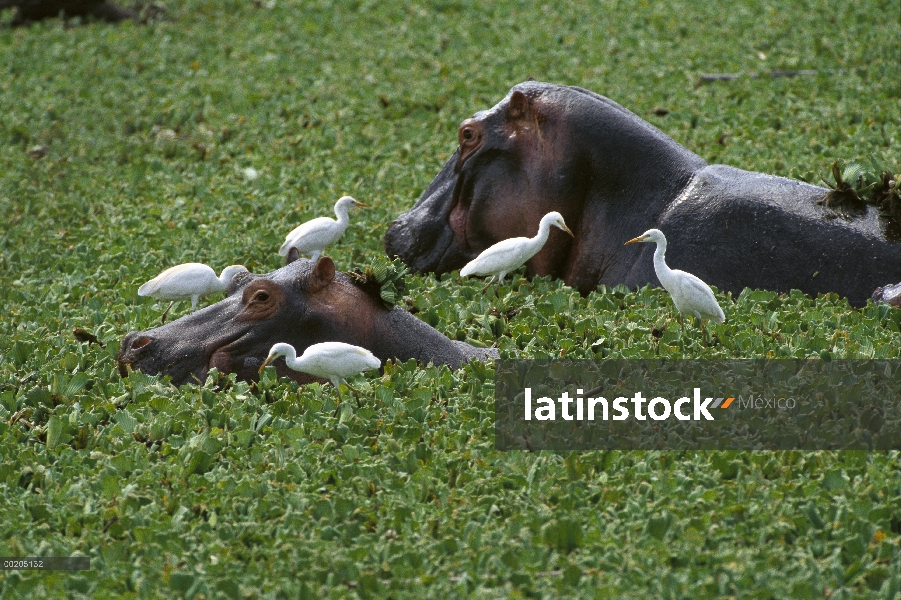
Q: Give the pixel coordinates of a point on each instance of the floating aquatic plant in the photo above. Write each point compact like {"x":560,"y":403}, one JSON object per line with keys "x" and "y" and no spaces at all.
{"x":382,"y":279}
{"x":854,"y":186}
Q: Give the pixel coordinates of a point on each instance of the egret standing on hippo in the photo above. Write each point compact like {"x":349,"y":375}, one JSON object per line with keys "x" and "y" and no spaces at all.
{"x":610,"y":174}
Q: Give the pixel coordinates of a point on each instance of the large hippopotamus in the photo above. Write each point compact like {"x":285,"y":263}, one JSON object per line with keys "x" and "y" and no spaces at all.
{"x":302,"y":303}
{"x":613,"y":176}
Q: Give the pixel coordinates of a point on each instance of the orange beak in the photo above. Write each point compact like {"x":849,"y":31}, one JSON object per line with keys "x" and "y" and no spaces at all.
{"x":640,"y":238}
{"x":268,"y":360}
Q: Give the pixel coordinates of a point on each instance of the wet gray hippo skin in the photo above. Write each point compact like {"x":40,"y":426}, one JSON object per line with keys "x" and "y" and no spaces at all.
{"x":301,"y":304}
{"x":613,"y":176}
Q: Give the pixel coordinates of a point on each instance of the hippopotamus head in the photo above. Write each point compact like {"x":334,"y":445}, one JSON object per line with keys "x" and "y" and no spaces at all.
{"x":542,"y":148}
{"x":302,"y":303}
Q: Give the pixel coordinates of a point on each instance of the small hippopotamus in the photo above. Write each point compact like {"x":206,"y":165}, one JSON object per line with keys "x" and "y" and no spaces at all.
{"x":302,"y":303}
{"x":612,"y":176}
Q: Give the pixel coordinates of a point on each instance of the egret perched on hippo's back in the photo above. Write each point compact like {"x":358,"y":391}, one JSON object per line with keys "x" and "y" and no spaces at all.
{"x":334,"y":361}
{"x":313,"y":236}
{"x":690,"y":295}
{"x":512,"y":253}
{"x":188,"y":281}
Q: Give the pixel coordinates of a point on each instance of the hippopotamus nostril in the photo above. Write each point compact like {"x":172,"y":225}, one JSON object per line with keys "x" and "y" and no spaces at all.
{"x":140,"y":342}
{"x":133,"y":345}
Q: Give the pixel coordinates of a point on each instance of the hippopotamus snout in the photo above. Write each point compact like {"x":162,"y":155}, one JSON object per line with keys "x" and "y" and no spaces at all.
{"x":426,"y":245}
{"x":888,"y":294}
{"x":187,"y":348}
{"x":421,"y":237}
{"x":153,"y":354}
{"x":183,"y":353}
{"x":135,"y":345}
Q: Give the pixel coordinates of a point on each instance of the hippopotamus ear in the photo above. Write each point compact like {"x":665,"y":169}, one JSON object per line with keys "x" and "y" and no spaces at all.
{"x":293,"y":255}
{"x":323,"y":274}
{"x":518,"y":106}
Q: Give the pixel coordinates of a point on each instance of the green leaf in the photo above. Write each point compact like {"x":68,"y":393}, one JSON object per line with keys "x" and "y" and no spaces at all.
{"x":835,"y":479}
{"x":199,"y":462}
{"x":658,"y":525}
{"x":126,"y":421}
{"x":852,"y":174}
{"x":564,"y":535}
{"x":54,"y":431}
{"x":75,"y":385}
{"x":814,"y":515}
{"x":571,"y":575}
{"x":181,"y":582}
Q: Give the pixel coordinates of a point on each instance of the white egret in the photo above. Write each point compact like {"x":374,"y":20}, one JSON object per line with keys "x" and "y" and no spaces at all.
{"x":512,"y":253}
{"x":313,"y":236}
{"x":188,"y":281}
{"x":335,"y":361}
{"x":691,"y":296}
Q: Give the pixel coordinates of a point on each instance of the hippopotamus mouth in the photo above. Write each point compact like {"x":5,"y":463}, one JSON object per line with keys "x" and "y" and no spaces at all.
{"x":429,"y":238}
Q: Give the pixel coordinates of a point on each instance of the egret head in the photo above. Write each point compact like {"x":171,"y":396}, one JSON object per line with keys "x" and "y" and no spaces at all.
{"x":651,"y":235}
{"x":347,"y":202}
{"x":230,"y":271}
{"x":277,"y":350}
{"x":556,"y":219}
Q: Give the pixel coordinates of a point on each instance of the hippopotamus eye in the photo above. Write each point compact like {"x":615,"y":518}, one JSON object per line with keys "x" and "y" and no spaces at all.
{"x":467,"y":134}
{"x":260,"y":296}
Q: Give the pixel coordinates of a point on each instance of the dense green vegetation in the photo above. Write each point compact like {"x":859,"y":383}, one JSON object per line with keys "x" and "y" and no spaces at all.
{"x":223,"y":491}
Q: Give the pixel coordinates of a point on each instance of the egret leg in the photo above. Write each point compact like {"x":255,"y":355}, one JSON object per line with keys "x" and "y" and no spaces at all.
{"x":487,"y":285}
{"x":355,"y":393}
{"x":337,"y":385}
{"x":497,"y":290}
{"x":315,"y":256}
{"x":166,"y":312}
{"x":194,"y":300}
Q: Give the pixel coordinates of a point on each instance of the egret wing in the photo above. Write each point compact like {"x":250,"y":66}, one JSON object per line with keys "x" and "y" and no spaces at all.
{"x":694,"y":296}
{"x":505,"y":255}
{"x":178,"y":282}
{"x":330,"y":359}
{"x":312,"y":235}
